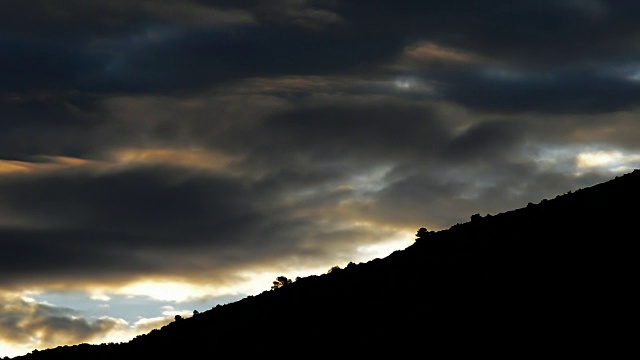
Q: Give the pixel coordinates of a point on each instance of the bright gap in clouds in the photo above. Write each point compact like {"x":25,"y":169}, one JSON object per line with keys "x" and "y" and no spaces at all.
{"x":612,"y":161}
{"x":577,"y":160}
{"x":413,"y":85}
{"x":403,"y":83}
{"x":164,"y":290}
{"x":53,"y":318}
{"x":400,"y":240}
{"x":13,"y":351}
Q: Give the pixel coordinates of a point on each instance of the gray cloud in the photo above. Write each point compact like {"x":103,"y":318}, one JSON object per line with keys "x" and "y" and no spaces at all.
{"x":20,"y":320}
{"x":79,"y":226}
{"x":575,"y":91}
{"x":299,"y":165}
{"x":201,"y":140}
{"x":101,"y":17}
{"x":358,"y":131}
{"x":534,"y":34}
{"x":164,"y":48}
{"x":88,"y":224}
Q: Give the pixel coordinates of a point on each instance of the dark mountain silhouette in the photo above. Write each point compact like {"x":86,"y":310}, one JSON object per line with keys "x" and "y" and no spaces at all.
{"x":554,"y":278}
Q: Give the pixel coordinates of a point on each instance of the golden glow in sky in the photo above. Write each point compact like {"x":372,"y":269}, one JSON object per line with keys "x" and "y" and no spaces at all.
{"x":614,"y":161}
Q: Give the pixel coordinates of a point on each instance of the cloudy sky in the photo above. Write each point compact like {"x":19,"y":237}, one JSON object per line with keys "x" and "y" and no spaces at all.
{"x":159,"y":157}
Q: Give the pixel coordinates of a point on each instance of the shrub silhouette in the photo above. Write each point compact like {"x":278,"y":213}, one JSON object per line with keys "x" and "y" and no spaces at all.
{"x":423,"y":232}
{"x":280,"y":282}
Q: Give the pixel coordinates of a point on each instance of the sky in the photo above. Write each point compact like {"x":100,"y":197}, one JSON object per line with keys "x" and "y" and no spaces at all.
{"x":160,"y":157}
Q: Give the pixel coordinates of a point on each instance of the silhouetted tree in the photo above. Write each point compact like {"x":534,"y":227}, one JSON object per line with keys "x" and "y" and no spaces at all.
{"x":195,"y":312}
{"x":423,"y":232}
{"x":333,"y":268}
{"x":280,"y":282}
{"x":177,"y":318}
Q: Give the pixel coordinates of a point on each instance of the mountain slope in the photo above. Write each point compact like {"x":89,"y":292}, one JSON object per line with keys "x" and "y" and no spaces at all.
{"x":557,"y":276}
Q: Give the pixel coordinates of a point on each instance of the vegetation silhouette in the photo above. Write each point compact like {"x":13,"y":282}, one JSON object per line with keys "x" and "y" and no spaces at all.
{"x":280,"y":282}
{"x":555,"y":278}
{"x":423,"y":233}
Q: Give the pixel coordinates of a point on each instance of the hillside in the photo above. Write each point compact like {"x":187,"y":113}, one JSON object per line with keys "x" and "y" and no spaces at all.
{"x":556,"y":276}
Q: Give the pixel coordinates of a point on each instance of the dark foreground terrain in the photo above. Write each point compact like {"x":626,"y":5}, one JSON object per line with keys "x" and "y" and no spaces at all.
{"x":552,"y":279}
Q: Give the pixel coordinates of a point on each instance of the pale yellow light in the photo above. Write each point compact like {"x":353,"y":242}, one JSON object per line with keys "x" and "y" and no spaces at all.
{"x":196,"y":158}
{"x":399,"y":240}
{"x":609,"y":160}
{"x":598,"y":158}
{"x":164,"y":290}
{"x":428,"y":51}
{"x":9,"y":166}
{"x":11,"y":350}
{"x":50,"y":163}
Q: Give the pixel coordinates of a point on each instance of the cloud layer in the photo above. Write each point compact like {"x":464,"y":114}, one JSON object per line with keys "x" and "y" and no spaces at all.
{"x":205,"y":142}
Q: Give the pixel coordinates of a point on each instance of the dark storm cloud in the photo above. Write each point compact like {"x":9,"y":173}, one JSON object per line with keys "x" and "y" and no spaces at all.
{"x":562,"y":91}
{"x":310,"y":145}
{"x":305,"y":14}
{"x":432,"y":187}
{"x":531,"y":33}
{"x":147,"y":47}
{"x":49,"y":63}
{"x":305,"y":169}
{"x":486,"y":140}
{"x":173,"y":46}
{"x":80,"y":222}
{"x":122,"y":200}
{"x":362,"y":131}
{"x":107,"y":17}
{"x":114,"y":226}
{"x":421,"y":151}
{"x":55,"y":46}
{"x":547,"y":56}
{"x":195,"y":58}
{"x":162,"y":58}
{"x":99,"y":220}
{"x":43,"y":123}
